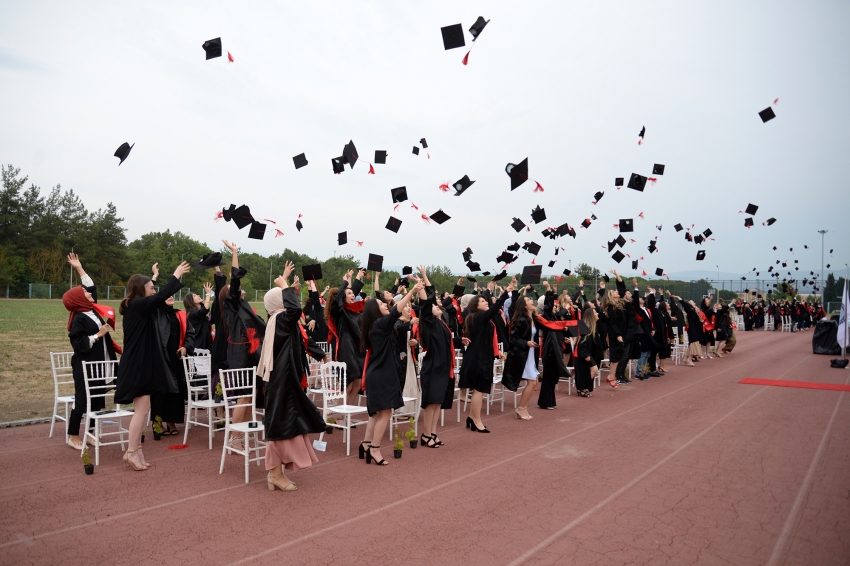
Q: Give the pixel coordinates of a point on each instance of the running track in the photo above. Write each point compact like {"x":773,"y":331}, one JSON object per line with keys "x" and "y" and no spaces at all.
{"x":689,"y":468}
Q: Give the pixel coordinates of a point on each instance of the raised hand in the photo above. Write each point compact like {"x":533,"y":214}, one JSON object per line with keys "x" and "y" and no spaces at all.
{"x":229,"y":245}
{"x":155,"y":270}
{"x":602,"y":284}
{"x":74,"y":260}
{"x":348,"y":274}
{"x":581,"y":282}
{"x":360,"y":273}
{"x":288,"y":269}
{"x":546,"y":284}
{"x":207,"y":289}
{"x":181,"y":270}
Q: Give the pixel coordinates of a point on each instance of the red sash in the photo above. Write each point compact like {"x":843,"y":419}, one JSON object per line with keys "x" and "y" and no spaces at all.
{"x":332,"y":331}
{"x":105,"y":312}
{"x":181,"y":318}
{"x":365,"y":365}
{"x":356,"y":307}
{"x":554,"y":325}
{"x":458,"y":313}
{"x":496,"y":352}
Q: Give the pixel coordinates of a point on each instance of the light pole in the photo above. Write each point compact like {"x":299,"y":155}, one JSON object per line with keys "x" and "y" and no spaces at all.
{"x":822,"y":279}
{"x":71,"y":284}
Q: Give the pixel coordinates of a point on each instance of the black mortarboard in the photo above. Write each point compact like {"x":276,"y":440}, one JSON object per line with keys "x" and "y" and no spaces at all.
{"x":611,"y":245}
{"x":531,"y":274}
{"x":748,"y":222}
{"x":688,"y":237}
{"x":634,"y":264}
{"x":605,"y":277}
{"x":618,"y":256}
{"x":751,"y":209}
{"x":642,"y":131}
{"x":423,"y":142}
{"x":342,"y":238}
{"x":257,"y":231}
{"x":458,"y":290}
{"x":380,"y":156}
{"x":564,"y":229}
{"x":659,"y":271}
{"x":598,"y":196}
{"x":349,"y":152}
{"x":585,"y":223}
{"x":242,"y":216}
{"x":766,"y":115}
{"x":461,"y":185}
{"x":312,"y":272}
{"x":770,"y":221}
{"x":208,"y":261}
{"x":678,"y":227}
{"x":439,"y":217}
{"x":700,"y":255}
{"x":478,"y":27}
{"x":300,"y":160}
{"x":406,"y":270}
{"x":547,"y":233}
{"x":513,"y":247}
{"x":227,"y":213}
{"x":506,"y":257}
{"x":467,"y":254}
{"x":338,"y":165}
{"x":517,"y":173}
{"x":618,"y":182}
{"x":827,"y":266}
{"x":657,"y":169}
{"x":517,"y":224}
{"x":552,"y":263}
{"x":123,"y":151}
{"x":621,"y":241}
{"x":698,"y":239}
{"x":593,"y":217}
{"x":298,"y":225}
{"x":531,"y":247}
{"x":376,"y":262}
{"x":473,"y":266}
{"x":212,"y":48}
{"x":651,"y":246}
{"x":501,"y":275}
{"x":415,"y":150}
{"x":637,"y":182}
{"x":538,"y":214}
{"x":567,"y":272}
{"x":399,"y":194}
{"x":627,"y":225}
{"x":453,"y":37}
{"x":470,"y":278}
{"x":393,"y":224}
{"x":707,"y":232}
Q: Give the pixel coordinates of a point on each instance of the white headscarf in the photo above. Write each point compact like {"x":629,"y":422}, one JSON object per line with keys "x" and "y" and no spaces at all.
{"x":273,"y":301}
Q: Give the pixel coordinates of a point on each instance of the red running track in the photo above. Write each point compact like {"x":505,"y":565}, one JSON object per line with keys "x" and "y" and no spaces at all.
{"x":684,"y":469}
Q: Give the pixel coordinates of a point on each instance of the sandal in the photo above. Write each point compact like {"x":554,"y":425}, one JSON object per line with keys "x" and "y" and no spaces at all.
{"x":369,"y":458}
{"x":428,"y":441}
{"x":288,"y":487}
{"x":612,"y":382}
{"x":127,"y":461}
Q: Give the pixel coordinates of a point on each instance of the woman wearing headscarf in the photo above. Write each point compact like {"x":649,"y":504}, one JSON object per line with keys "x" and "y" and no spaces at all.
{"x":90,"y":340}
{"x":142,"y":371}
{"x":344,"y":323}
{"x":290,"y":415}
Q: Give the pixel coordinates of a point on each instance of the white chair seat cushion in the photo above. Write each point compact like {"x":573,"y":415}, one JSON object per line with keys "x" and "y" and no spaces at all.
{"x":243,"y":427}
{"x":208,"y":404}
{"x":65,"y":398}
{"x":347,"y":409}
{"x":112,"y":415}
{"x":408,"y":399}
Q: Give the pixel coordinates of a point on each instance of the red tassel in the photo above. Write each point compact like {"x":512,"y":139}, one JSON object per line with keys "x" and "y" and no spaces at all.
{"x":628,"y":256}
{"x":640,"y":142}
{"x":229,"y":57}
{"x":633,"y":241}
{"x":426,"y":219}
{"x":640,"y":215}
{"x":412,"y":205}
{"x":558,"y":278}
{"x":269,"y":220}
{"x":667,"y":276}
{"x":253,"y":341}
{"x":775,"y":101}
{"x":368,"y":276}
{"x":538,"y":188}
{"x":466,"y":58}
{"x":532,"y":261}
{"x":616,"y":225}
{"x":218,"y":215}
{"x":300,"y":215}
{"x":528,"y":229}
{"x":652,"y":180}
{"x":359,"y":244}
{"x":395,"y":208}
{"x":371,"y":170}
{"x":644,"y":273}
{"x":593,"y":202}
{"x":429,"y":155}
{"x":278,"y":233}
{"x":444,"y":187}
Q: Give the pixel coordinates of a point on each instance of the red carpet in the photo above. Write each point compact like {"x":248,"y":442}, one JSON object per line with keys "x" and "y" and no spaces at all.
{"x":799,"y":384}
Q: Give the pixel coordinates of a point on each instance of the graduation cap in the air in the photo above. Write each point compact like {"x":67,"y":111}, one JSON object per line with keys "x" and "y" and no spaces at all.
{"x":611,"y":245}
{"x":506,"y":257}
{"x":473,"y":266}
{"x":827,"y":266}
{"x":242,"y":216}
{"x":553,"y":262}
{"x":376,"y":262}
{"x":651,"y":246}
{"x":769,"y":221}
{"x":349,"y":153}
{"x":641,"y":134}
{"x":547,"y":233}
{"x":585,"y":223}
{"x":453,"y":36}
{"x":748,"y":222}
{"x":678,"y":227}
{"x":698,"y":239}
{"x":517,"y":173}
{"x":312,"y":272}
{"x":627,"y":225}
{"x":566,"y":230}
{"x":499,"y":276}
{"x":467,"y":254}
{"x":380,"y":156}
{"x":424,"y":143}
{"x":618,"y":182}
{"x":338,"y":164}
{"x":123,"y":151}
{"x":208,"y":260}
{"x":657,"y":169}
{"x":461,"y":185}
{"x":618,"y":256}
{"x":478,"y":27}
{"x":342,"y":238}
{"x":767,"y":114}
{"x":415,"y":150}
{"x":298,"y":225}
{"x":393,"y":224}
{"x":634,"y":264}
{"x":700,"y":255}
{"x":439,"y":217}
{"x":531,"y":274}
{"x":751,"y":209}
{"x":257,"y":231}
{"x":621,"y":241}
{"x":399,"y":194}
{"x":538,"y":214}
{"x":517,"y":224}
{"x":598,"y":196}
{"x":659,"y":271}
{"x":688,"y":237}
{"x":637,"y":182}
{"x":300,"y":160}
{"x":707,"y":232}
{"x":531,"y":247}
{"x":605,"y":277}
{"x":213,"y":48}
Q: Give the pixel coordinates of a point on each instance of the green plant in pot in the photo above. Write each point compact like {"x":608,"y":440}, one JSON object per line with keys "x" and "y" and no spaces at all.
{"x":218,"y":394}
{"x":411,"y":433}
{"x":399,"y":446}
{"x":87,"y":463}
{"x":330,"y":421}
{"x":157,"y":428}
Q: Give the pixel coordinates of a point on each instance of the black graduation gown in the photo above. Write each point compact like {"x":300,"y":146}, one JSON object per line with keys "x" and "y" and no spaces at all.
{"x":240,"y":318}
{"x":142,"y":370}
{"x":518,"y":353}
{"x":400,"y":330}
{"x":436,"y":379}
{"x":583,"y":377}
{"x":476,"y":371}
{"x":450,"y":318}
{"x":695,"y":335}
{"x":383,"y":390}
{"x":219,"y":347}
{"x":198,"y":319}
{"x":289,"y":412}
{"x":81,"y":328}
{"x":348,"y":330}
{"x":317,"y":314}
{"x":170,"y":406}
{"x":553,"y":365}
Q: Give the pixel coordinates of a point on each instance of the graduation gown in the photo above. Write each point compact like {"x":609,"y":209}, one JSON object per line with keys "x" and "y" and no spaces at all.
{"x":436,"y":376}
{"x":518,"y":353}
{"x":289,"y":412}
{"x":245,"y":330}
{"x":583,"y":377}
{"x":348,"y":332}
{"x":219,"y":347}
{"x":695,"y":335}
{"x":317,"y":314}
{"x":198,"y":319}
{"x":169,"y":406}
{"x":383,"y":389}
{"x":82,"y":326}
{"x":476,"y":371}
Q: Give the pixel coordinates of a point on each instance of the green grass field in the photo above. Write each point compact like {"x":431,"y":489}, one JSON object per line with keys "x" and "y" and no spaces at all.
{"x":29,"y":330}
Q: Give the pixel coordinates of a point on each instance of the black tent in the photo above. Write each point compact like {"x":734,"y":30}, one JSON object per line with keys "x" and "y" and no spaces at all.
{"x":825,"y":338}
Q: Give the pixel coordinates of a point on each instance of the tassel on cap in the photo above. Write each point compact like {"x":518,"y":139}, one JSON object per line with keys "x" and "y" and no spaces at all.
{"x":539,"y":188}
{"x":425,"y":218}
{"x":219,"y":215}
{"x":371,"y":170}
{"x":278,"y":233}
{"x":466,"y":58}
{"x":230,"y":58}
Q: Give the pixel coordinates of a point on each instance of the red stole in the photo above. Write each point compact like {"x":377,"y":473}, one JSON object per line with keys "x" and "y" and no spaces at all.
{"x":356,"y":307}
{"x":181,"y":318}
{"x":496,"y":352}
{"x":306,"y":341}
{"x":365,"y":365}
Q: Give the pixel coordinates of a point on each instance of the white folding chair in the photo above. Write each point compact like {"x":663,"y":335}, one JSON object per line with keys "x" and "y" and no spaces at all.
{"x":63,"y":376}
{"x":100,"y":383}
{"x":198,"y":372}
{"x":237,"y":385}
{"x":326,"y":348}
{"x":497,"y":390}
{"x":333,"y":402}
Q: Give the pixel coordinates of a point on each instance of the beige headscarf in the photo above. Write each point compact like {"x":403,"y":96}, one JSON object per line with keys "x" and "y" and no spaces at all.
{"x":273,"y":301}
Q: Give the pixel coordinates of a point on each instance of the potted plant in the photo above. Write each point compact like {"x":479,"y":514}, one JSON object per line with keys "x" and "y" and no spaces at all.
{"x":157,"y":428}
{"x":87,"y":463}
{"x":399,"y":446}
{"x":411,"y":433}
{"x":218,"y":394}
{"x":330,"y":429}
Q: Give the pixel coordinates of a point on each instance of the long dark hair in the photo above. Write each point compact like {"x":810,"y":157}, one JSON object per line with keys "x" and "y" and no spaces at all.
{"x":222,"y":298}
{"x":520,"y":311}
{"x":135,"y":290}
{"x":471,"y":311}
{"x":329,"y":301}
{"x":189,"y":303}
{"x":371,"y":313}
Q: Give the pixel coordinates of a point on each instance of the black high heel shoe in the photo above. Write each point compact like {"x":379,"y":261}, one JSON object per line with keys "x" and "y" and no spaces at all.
{"x":362,"y":450}
{"x":428,"y":441}
{"x":469,"y":423}
{"x":472,"y":426}
{"x":369,"y":457}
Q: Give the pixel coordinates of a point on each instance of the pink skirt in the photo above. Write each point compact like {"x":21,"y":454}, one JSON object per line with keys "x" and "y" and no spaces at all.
{"x":294,"y":453}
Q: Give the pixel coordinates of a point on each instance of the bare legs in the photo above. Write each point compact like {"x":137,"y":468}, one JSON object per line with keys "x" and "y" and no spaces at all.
{"x":525,"y":398}
{"x":430,"y":418}
{"x":278,"y":479}
{"x":352,"y":390}
{"x":141,"y":408}
{"x":240,"y":413}
{"x":375,"y":428}
{"x":475,"y":408}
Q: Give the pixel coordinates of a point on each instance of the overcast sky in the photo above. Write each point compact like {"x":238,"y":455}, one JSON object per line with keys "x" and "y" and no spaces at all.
{"x":566,"y":84}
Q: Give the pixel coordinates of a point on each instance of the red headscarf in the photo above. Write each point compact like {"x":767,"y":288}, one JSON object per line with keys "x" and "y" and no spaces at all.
{"x":75,"y":301}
